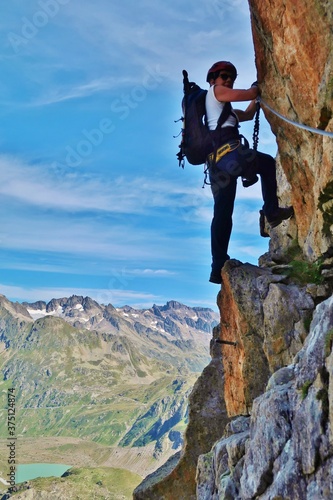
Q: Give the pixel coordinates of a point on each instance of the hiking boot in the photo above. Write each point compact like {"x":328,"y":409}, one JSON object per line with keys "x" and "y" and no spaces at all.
{"x":263,"y":231}
{"x":247,"y":182}
{"x":280,"y":215}
{"x":215,"y":277}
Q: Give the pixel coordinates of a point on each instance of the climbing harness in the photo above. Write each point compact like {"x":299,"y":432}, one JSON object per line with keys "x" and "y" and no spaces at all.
{"x":223,"y":150}
{"x":296,"y":124}
{"x":214,"y":157}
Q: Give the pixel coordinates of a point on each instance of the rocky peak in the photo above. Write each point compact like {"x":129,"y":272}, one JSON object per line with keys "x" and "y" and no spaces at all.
{"x":179,"y":322}
{"x":173,"y":304}
{"x":15,"y":308}
{"x":157,"y":311}
{"x":55,"y":304}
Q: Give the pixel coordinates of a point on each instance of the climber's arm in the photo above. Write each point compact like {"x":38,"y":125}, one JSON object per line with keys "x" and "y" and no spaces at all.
{"x":227,"y":94}
{"x":248,"y":113}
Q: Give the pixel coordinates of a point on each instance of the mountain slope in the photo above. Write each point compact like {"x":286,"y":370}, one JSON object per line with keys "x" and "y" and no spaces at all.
{"x":117,"y":377}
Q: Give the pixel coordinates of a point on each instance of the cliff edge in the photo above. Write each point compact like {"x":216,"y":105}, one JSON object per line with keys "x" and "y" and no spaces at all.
{"x":268,"y":392}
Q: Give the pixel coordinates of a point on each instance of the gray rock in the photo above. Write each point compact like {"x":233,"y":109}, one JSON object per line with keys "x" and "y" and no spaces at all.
{"x":312,"y":357}
{"x":281,"y":377}
{"x":270,"y":430}
{"x":205,"y":478}
{"x":285,"y":309}
{"x":219,"y":471}
{"x":236,"y":425}
{"x":320,"y":486}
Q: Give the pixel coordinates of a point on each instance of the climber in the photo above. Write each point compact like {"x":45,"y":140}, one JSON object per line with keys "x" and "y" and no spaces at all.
{"x":233,"y":160}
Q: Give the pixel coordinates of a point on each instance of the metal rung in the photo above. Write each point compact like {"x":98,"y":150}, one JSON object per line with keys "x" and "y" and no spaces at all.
{"x":228,"y":342}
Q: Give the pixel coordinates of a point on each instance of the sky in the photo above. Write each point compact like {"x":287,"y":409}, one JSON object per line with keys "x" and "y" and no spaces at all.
{"x":93,"y":201}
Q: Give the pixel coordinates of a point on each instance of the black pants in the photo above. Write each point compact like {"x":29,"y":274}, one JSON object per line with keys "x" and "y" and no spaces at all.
{"x":223,"y":179}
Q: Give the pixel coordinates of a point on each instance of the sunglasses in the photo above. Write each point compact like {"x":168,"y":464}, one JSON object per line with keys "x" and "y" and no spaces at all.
{"x":225,"y":77}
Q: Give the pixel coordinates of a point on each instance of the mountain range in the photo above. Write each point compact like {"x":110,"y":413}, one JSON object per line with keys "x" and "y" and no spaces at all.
{"x":100,"y":385}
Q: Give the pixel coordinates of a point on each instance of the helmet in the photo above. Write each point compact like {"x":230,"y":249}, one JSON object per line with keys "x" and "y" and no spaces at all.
{"x":219,"y":66}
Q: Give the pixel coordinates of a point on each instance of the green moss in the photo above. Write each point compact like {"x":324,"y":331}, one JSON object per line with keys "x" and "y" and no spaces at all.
{"x":328,"y":342}
{"x":305,"y":389}
{"x":322,"y":396}
{"x":300,"y":270}
{"x":307,"y":322}
{"x":306,"y":272}
{"x":294,"y":251}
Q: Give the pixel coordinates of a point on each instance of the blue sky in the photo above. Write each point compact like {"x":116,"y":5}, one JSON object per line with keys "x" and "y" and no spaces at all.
{"x":93,"y":200}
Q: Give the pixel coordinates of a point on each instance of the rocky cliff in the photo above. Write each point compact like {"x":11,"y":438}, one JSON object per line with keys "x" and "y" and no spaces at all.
{"x":268,"y":391}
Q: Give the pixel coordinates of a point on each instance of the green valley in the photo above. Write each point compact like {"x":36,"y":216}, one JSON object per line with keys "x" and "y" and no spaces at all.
{"x":98,"y":386}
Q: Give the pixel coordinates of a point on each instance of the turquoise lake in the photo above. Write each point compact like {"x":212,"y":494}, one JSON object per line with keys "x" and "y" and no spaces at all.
{"x":25,"y":472}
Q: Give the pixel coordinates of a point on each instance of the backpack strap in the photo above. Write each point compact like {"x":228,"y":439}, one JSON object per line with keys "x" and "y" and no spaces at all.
{"x":225,"y":113}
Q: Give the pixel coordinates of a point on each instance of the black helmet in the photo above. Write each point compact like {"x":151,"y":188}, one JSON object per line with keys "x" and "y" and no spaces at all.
{"x":219,"y":66}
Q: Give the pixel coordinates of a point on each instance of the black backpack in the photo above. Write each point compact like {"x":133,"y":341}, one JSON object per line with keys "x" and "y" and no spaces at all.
{"x":197,"y":140}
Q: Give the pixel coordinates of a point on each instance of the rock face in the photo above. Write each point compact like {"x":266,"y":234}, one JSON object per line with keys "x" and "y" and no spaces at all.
{"x":265,"y":317}
{"x":293,"y":46}
{"x":284,"y":449}
{"x":276,"y":328}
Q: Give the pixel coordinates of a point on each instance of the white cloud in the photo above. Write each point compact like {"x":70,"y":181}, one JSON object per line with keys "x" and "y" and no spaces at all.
{"x":73,"y":195}
{"x":66,"y":93}
{"x":86,"y":237}
{"x":39,"y":186}
{"x":103,"y":45}
{"x":73,"y":190}
{"x":156,"y":273}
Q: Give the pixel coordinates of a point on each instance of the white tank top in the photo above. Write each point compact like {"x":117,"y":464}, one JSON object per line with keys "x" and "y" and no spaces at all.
{"x":214,"y":109}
